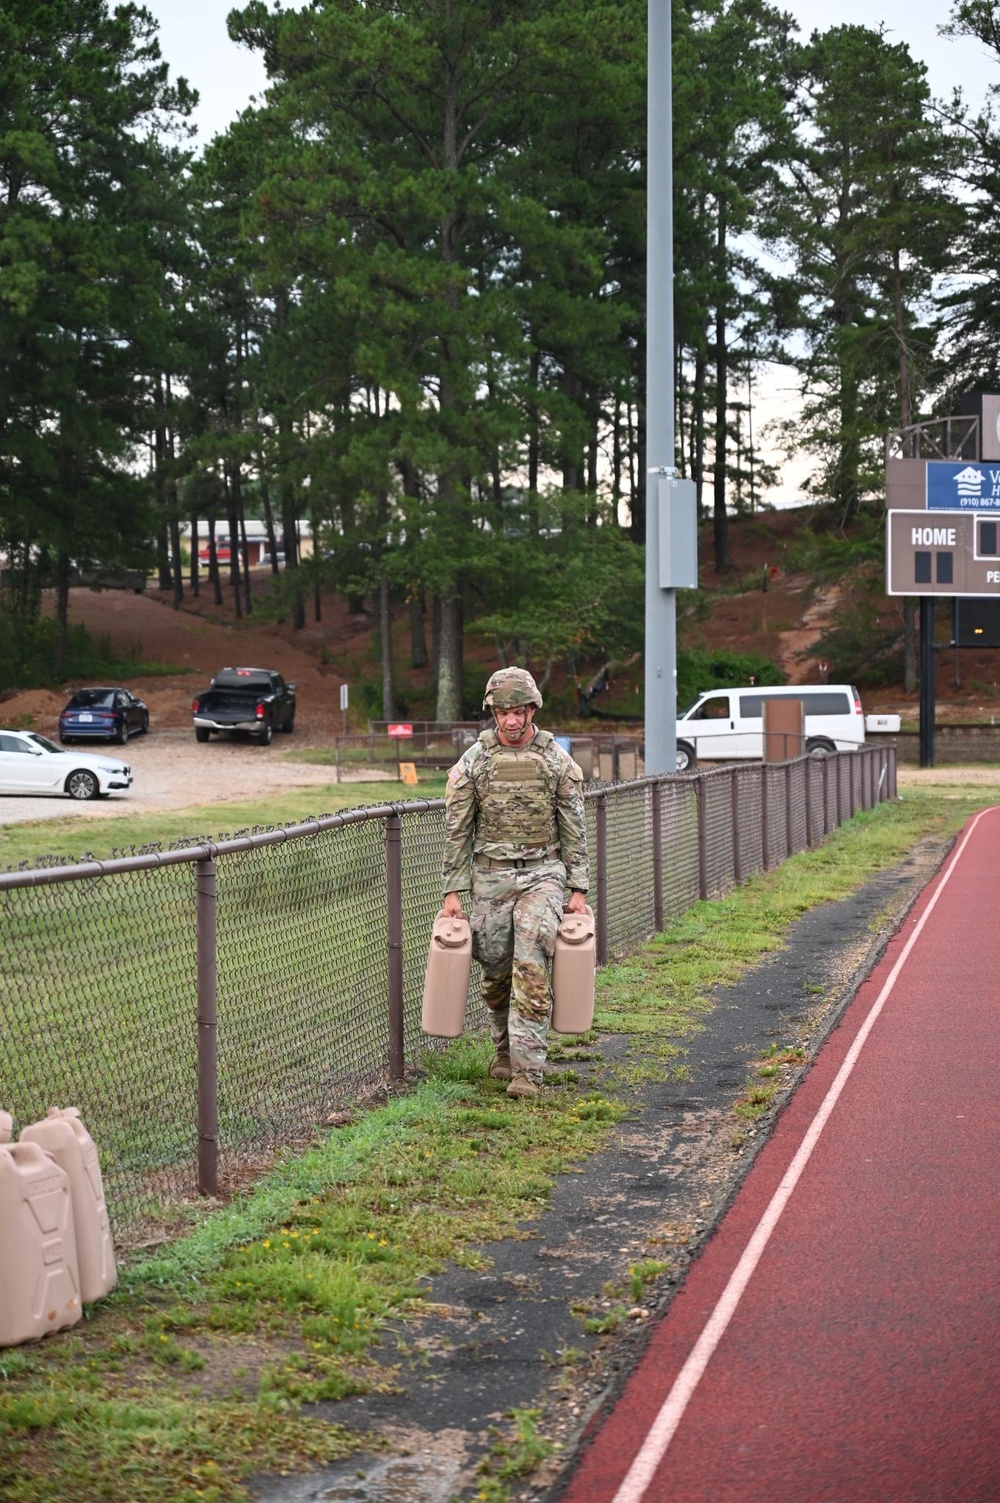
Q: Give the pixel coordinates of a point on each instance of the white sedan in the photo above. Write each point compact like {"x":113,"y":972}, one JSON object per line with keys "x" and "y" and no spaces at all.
{"x":30,"y":763}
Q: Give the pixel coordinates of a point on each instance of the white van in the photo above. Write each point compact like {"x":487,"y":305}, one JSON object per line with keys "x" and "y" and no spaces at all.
{"x":727,"y":724}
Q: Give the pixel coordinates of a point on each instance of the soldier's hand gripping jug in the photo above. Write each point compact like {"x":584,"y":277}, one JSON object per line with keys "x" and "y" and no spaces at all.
{"x":574,"y":973}
{"x":65,"y":1139}
{"x":446,"y":984}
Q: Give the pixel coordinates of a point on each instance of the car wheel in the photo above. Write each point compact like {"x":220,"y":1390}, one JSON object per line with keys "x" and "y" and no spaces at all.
{"x":820,"y":747}
{"x":201,"y":733}
{"x":289,"y":724}
{"x":121,"y":735}
{"x":266,"y":732}
{"x":63,"y":740}
{"x":145,"y":725}
{"x":686,"y":759}
{"x":82,"y":784}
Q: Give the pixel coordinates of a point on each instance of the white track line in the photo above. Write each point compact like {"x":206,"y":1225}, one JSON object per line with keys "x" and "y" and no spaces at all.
{"x":664,"y":1427}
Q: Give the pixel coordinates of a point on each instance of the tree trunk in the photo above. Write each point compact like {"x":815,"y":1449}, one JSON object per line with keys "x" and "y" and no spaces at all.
{"x":418,"y":635}
{"x":385,"y":633}
{"x":449,"y":679}
{"x":62,"y":611}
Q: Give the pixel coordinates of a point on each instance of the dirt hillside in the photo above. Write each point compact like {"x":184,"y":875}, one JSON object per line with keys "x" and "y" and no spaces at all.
{"x":763,"y":605}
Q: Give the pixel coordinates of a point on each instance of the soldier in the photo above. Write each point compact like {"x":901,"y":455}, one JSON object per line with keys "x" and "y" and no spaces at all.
{"x":515,"y":834}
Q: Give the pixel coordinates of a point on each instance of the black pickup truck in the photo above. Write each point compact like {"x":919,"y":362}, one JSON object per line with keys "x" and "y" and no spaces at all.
{"x":245,"y":699}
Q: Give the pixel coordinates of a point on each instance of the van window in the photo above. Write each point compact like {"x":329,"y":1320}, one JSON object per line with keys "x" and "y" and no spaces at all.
{"x":716,"y":708}
{"x":826,"y":702}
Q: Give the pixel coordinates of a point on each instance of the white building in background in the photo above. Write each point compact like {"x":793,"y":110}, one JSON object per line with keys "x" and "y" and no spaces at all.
{"x":257,"y":541}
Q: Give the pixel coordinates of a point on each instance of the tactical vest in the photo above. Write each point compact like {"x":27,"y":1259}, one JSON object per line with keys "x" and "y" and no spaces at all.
{"x":517,"y":797}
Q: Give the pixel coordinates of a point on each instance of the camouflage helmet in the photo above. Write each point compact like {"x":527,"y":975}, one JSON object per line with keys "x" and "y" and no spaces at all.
{"x":510,"y":687}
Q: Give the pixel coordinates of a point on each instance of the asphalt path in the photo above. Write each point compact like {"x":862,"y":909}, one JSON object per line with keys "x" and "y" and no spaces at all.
{"x":837,"y":1339}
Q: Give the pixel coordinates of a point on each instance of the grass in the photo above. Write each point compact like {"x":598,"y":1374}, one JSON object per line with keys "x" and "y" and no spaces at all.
{"x":203,"y":1367}
{"x":47,"y":842}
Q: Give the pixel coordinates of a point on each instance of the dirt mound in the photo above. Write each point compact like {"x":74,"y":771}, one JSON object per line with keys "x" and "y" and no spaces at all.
{"x":197,"y":643}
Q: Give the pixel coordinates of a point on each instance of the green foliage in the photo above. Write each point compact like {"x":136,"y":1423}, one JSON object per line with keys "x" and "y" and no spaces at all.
{"x":28,"y":655}
{"x":698,"y":671}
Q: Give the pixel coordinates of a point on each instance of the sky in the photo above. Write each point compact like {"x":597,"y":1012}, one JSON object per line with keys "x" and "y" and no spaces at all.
{"x":195,"y":43}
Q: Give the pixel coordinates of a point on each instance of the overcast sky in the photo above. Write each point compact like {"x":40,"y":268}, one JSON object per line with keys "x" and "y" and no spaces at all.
{"x":194,"y":41}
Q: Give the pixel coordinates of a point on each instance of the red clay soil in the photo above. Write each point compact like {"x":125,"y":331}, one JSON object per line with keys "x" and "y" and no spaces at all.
{"x":782,"y":621}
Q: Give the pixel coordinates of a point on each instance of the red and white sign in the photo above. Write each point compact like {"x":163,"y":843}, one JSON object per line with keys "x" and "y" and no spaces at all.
{"x":399,"y":730}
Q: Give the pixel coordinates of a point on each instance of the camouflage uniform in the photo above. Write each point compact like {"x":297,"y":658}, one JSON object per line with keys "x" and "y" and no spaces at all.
{"x":515,"y":834}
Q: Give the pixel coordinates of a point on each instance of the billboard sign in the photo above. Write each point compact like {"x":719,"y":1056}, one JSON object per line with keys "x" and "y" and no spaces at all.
{"x":963,"y":486}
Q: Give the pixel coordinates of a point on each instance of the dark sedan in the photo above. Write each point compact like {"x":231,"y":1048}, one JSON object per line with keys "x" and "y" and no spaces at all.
{"x":103,"y":715}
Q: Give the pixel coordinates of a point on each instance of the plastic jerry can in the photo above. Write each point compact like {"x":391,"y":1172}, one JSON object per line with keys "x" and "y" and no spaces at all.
{"x":574,"y":973}
{"x":39,"y":1276}
{"x":63,"y":1136}
{"x":446,"y":983}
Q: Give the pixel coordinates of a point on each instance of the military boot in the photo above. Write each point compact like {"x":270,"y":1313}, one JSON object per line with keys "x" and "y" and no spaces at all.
{"x":522,"y":1085}
{"x":500,"y":1068}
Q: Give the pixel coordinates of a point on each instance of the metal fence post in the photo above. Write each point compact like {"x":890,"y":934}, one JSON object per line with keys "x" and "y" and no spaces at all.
{"x":699,"y":793}
{"x":840,"y":782}
{"x":764,"y":833}
{"x":789,"y":840}
{"x":657,"y":817}
{"x":602,"y":879}
{"x":734,"y":790}
{"x":208,"y":1073}
{"x":394,"y":937}
{"x":807,"y":768}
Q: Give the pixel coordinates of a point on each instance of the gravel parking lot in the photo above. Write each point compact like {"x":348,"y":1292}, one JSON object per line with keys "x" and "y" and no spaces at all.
{"x":171,"y":771}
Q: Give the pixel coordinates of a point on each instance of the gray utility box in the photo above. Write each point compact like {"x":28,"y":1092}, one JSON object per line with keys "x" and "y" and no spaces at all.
{"x":678,"y":508}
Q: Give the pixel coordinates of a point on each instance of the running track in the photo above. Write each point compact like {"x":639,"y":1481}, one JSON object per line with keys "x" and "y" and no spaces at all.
{"x":837,"y":1340}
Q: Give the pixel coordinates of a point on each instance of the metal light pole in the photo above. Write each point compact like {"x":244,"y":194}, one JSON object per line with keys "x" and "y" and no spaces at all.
{"x":661,"y":613}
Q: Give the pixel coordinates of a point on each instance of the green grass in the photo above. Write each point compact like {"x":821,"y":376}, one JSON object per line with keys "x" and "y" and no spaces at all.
{"x":201,"y":1369}
{"x":73,"y":838}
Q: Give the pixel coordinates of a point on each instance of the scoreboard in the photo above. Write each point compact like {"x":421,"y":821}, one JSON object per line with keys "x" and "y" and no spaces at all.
{"x":942,"y":527}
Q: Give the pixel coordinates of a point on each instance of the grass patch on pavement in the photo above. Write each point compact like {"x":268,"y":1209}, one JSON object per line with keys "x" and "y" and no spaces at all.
{"x":202,"y":1368}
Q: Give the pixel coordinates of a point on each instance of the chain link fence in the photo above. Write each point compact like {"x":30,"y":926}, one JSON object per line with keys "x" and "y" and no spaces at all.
{"x":208,"y":1003}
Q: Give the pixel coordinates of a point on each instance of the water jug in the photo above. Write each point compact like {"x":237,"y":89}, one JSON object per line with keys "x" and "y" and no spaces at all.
{"x":573,"y":973}
{"x":6,"y":1127}
{"x":39,"y":1275}
{"x":446,"y":984}
{"x":63,"y":1136}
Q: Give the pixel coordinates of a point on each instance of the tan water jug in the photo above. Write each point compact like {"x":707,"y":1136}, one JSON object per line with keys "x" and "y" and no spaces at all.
{"x":39,"y":1275}
{"x":6,"y":1127}
{"x":62,"y":1135}
{"x":574,"y":973}
{"x":446,"y":983}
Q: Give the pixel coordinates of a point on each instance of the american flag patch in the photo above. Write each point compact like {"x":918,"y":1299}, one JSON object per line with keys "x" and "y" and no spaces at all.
{"x":456,"y":772}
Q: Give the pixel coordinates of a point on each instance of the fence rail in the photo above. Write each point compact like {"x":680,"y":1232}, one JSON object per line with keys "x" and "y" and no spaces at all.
{"x":205,"y":1004}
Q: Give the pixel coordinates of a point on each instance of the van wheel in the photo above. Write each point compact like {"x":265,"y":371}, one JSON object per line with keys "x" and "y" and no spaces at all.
{"x":818,"y":746}
{"x":686,"y":759}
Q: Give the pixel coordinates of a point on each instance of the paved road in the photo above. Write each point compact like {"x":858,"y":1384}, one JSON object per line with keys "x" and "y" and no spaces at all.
{"x":172,"y":771}
{"x":837,"y":1342}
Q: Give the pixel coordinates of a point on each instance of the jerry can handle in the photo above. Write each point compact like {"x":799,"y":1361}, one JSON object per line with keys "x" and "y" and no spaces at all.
{"x":32,"y":1152}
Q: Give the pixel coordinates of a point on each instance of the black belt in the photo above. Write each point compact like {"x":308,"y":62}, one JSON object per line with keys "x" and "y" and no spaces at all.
{"x":506,"y":862}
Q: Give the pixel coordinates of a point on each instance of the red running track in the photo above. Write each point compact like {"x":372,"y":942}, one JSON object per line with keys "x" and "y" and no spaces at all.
{"x":837,"y":1340}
